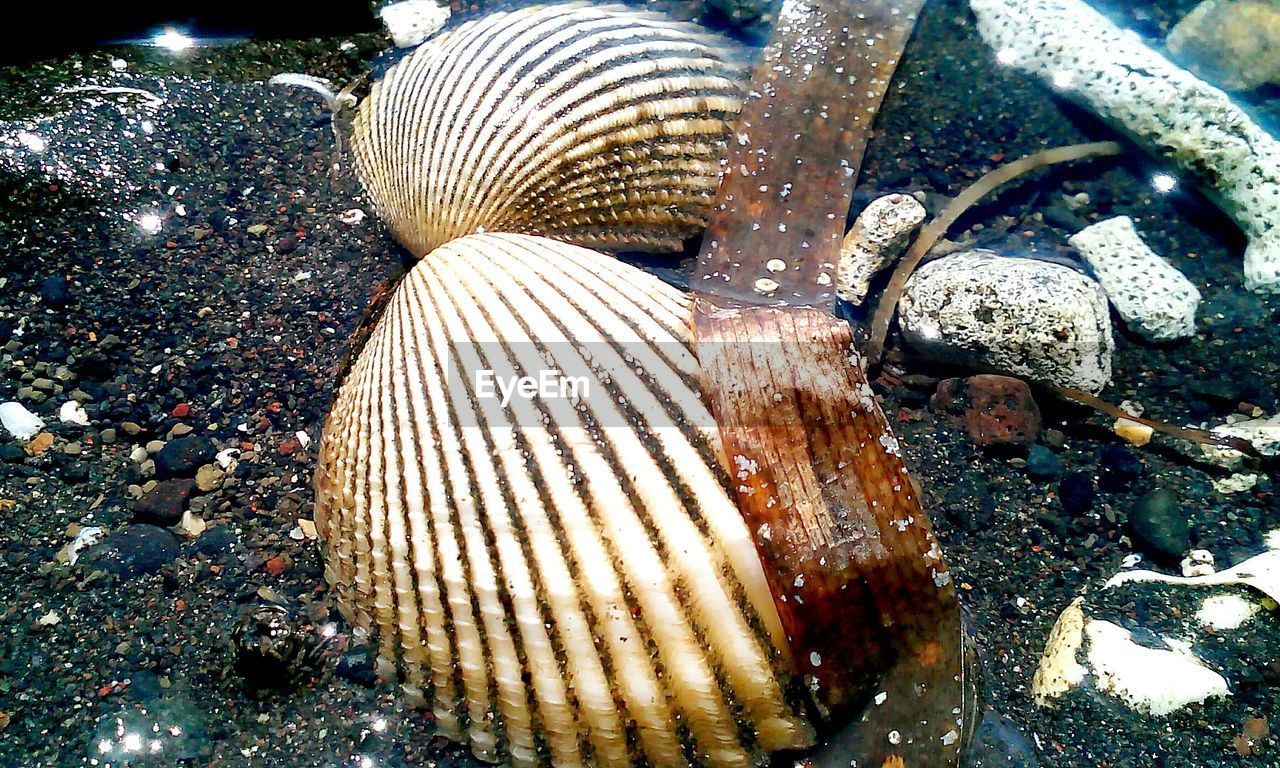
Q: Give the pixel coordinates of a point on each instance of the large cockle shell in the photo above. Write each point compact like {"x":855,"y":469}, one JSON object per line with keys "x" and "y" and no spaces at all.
{"x":599,"y":126}
{"x":566,"y":579}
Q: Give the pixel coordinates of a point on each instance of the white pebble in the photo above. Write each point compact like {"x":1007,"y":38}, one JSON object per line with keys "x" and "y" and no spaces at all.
{"x":409,"y":22}
{"x":1149,"y":680}
{"x":1198,"y":562}
{"x":20,"y":422}
{"x":1226,"y":611}
{"x":72,"y":412}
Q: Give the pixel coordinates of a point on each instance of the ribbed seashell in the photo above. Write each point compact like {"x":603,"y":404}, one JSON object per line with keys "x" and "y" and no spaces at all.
{"x":560,"y":587}
{"x":599,"y":126}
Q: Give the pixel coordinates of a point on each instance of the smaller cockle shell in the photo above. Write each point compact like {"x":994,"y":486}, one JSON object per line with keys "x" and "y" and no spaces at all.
{"x":602,"y":126}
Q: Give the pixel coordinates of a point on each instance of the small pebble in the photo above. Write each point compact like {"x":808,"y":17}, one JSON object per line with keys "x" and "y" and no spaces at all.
{"x":1118,"y":469}
{"x":55,"y":291}
{"x":995,"y":410}
{"x":1159,"y":526}
{"x":1132,"y":432}
{"x":1042,"y":463}
{"x":183,"y":456}
{"x":1076,"y":492}
{"x":164,"y":504}
{"x":134,"y":551}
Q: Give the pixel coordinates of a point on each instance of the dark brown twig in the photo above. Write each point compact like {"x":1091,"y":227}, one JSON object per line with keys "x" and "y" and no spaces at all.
{"x":1203,"y":436}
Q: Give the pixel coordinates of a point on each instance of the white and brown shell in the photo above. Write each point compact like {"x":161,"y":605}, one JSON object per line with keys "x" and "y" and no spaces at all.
{"x":584,"y":592}
{"x":602,"y":126}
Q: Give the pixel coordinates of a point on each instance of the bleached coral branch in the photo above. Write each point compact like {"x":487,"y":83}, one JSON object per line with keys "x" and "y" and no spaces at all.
{"x":1197,"y":126}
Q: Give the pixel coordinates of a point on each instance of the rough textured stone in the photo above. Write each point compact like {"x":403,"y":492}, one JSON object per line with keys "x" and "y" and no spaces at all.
{"x":164,"y":504}
{"x":877,"y":238}
{"x":1230,"y":42}
{"x":134,"y":551}
{"x":1154,"y":298}
{"x":1171,"y":111}
{"x":181,"y":457}
{"x":995,"y":410}
{"x":1024,"y":317}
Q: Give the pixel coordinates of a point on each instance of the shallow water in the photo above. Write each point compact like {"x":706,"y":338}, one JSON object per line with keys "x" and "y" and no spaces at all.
{"x":215,"y":266}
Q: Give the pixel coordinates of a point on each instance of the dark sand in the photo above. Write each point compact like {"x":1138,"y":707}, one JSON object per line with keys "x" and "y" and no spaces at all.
{"x":257,"y":366}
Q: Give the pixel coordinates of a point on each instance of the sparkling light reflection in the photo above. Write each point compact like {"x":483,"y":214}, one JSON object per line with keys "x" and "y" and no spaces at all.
{"x":1163,"y":183}
{"x":173,"y":40}
{"x":149,"y":223}
{"x":32,"y":141}
{"x":131,"y":742}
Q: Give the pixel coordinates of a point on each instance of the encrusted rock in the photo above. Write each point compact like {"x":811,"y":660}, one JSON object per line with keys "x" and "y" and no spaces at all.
{"x":1093,"y":644}
{"x":995,"y":410}
{"x":1154,"y":298}
{"x":1263,"y":434}
{"x":1232,"y":43}
{"x":274,"y":649}
{"x":878,"y":237}
{"x":1042,"y":321}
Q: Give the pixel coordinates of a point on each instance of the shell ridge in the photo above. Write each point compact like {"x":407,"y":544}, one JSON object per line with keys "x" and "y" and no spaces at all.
{"x":603,"y":140}
{"x":725,"y":634}
{"x":610,"y":124}
{"x":497,"y":53}
{"x":381,"y":498}
{"x":550,"y":77}
{"x":642,"y":681}
{"x":442,"y":662}
{"x":513,"y":719}
{"x":452,"y":142}
{"x":435,"y":134}
{"x":362,"y":587}
{"x":337,"y":499}
{"x":584,"y":555}
{"x":399,"y":489}
{"x":647,"y":566}
{"x":526,"y":51}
